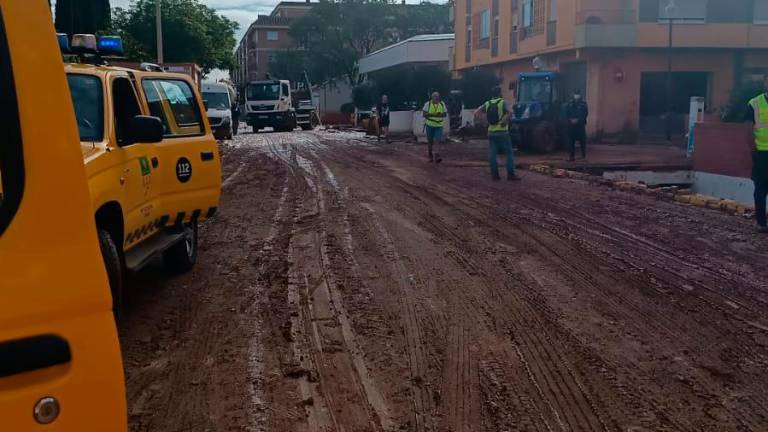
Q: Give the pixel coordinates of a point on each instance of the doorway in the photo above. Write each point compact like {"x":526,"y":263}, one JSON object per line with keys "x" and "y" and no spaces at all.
{"x":653,"y":99}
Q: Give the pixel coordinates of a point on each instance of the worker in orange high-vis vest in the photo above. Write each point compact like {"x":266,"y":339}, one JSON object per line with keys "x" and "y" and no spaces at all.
{"x":758,"y":112}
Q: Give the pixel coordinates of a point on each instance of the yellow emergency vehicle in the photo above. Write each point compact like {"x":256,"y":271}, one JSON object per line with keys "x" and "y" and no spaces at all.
{"x":60,"y":366}
{"x":152,"y":162}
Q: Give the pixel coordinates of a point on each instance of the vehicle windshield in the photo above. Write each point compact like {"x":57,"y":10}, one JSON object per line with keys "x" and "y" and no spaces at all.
{"x":87,"y":99}
{"x":535,"y":90}
{"x":217,"y":100}
{"x":263,"y":91}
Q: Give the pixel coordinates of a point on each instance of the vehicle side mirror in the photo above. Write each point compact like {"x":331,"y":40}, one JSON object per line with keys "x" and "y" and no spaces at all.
{"x":146,"y":129}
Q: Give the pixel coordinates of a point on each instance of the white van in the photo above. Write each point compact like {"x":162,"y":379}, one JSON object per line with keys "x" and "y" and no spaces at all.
{"x":220,"y":99}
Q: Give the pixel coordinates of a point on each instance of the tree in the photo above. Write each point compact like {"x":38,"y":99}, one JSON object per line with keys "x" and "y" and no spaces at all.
{"x":476,"y":86}
{"x":336,"y":34}
{"x":82,"y":16}
{"x":192,"y":32}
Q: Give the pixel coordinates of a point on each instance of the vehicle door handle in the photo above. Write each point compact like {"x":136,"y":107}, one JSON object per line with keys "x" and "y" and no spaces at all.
{"x":206,"y":156}
{"x":155,"y":162}
{"x":33,"y":353}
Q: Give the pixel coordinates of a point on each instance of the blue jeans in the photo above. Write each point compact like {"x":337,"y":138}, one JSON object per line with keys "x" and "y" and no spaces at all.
{"x":496,"y":141}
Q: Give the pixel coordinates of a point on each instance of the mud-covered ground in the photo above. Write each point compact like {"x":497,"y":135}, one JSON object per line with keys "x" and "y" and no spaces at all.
{"x":350,"y":286}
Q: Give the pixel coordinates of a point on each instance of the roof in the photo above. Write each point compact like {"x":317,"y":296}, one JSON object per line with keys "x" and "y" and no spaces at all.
{"x":264,"y":20}
{"x":430,"y":48}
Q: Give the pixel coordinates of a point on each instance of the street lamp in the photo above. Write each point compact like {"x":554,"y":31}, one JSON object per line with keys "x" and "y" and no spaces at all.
{"x":159,"y":30}
{"x":670,"y":10}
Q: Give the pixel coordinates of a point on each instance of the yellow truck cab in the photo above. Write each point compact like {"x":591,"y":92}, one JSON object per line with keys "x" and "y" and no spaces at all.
{"x":151,"y":160}
{"x":60,"y":365}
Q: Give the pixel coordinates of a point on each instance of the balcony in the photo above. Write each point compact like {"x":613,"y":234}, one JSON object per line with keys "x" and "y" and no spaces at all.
{"x":605,"y":28}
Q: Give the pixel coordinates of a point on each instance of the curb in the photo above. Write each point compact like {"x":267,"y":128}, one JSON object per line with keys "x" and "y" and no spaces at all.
{"x":683,"y":196}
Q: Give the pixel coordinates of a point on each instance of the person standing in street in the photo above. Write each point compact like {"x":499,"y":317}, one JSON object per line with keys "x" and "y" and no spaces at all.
{"x":434,"y":112}
{"x":758,"y":113}
{"x":235,"y":116}
{"x":576,"y":111}
{"x":382,"y":117}
{"x":497,"y":114}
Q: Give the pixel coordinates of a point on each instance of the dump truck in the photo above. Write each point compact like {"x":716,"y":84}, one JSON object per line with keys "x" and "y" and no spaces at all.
{"x":280,"y":104}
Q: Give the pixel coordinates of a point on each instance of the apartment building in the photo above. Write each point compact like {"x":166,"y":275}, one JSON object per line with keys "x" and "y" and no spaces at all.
{"x":265,"y":37}
{"x":617,"y":51}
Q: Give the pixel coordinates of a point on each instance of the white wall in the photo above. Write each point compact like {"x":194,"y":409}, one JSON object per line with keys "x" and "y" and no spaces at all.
{"x":400,"y":121}
{"x":333,"y":95}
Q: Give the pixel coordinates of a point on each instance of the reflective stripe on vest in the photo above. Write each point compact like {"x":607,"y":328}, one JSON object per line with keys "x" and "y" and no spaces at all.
{"x":760,"y":106}
{"x":435,"y":109}
{"x":498,"y":104}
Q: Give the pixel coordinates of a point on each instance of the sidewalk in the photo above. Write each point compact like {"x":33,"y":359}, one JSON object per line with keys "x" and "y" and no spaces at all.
{"x":600,"y":157}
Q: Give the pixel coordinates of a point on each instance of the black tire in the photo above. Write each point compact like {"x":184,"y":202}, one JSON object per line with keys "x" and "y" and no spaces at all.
{"x":545,"y":137}
{"x":182,"y":256}
{"x":255,"y":129}
{"x":114,"y":265}
{"x":307,"y":126}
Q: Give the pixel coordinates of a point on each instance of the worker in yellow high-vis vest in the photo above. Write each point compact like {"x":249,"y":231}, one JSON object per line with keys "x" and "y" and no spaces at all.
{"x":758,"y":110}
{"x":497,"y":114}
{"x":434,"y":112}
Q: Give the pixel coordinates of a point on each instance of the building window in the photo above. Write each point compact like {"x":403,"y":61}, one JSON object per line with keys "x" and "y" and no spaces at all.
{"x":469,"y":7}
{"x":495,"y":7}
{"x":468,"y":46}
{"x":534,"y":15}
{"x":485,"y":24}
{"x":527,"y":14}
{"x":553,"y":10}
{"x":691,"y":11}
{"x":495,"y":40}
{"x":272,"y":35}
{"x":761,"y":11}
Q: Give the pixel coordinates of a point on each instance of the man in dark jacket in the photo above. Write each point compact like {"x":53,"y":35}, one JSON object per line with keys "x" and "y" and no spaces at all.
{"x":576,"y":111}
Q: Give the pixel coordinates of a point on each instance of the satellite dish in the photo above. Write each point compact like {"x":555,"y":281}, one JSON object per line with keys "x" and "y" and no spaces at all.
{"x":538,"y":63}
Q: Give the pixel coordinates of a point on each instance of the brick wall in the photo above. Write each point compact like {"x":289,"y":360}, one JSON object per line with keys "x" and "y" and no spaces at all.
{"x":724,"y":148}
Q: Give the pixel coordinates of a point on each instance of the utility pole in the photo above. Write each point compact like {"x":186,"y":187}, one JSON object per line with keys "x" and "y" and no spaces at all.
{"x":670,"y":9}
{"x":159,"y":28}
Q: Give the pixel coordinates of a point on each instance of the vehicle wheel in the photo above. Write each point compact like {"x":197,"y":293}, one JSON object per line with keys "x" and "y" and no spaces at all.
{"x":255,"y":129}
{"x":114,"y":266}
{"x":545,"y":137}
{"x":307,"y":126}
{"x":182,"y":256}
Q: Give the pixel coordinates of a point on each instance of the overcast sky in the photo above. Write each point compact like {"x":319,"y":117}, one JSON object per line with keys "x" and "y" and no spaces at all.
{"x":244,"y":12}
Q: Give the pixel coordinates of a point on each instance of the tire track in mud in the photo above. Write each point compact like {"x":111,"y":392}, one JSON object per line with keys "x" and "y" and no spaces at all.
{"x":560,"y":373}
{"x":323,"y":340}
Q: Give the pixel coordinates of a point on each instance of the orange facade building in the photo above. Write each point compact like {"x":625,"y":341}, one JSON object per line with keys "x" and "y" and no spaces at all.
{"x":616,"y":52}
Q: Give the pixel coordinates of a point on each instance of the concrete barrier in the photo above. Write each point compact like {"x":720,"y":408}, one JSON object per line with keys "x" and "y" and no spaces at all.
{"x":722,"y":161}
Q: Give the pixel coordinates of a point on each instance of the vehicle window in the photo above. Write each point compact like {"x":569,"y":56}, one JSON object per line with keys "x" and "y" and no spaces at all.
{"x":535,"y":90}
{"x":173,"y":101}
{"x":217,"y":100}
{"x":11,"y":160}
{"x":256,"y":92}
{"x":286,"y":91}
{"x":126,"y":107}
{"x":88,"y":100}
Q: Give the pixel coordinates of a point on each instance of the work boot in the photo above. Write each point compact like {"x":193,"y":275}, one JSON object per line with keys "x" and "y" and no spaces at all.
{"x":513,"y":177}
{"x":762,"y":229}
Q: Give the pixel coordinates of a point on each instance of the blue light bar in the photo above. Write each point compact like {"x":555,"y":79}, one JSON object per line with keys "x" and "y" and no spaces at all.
{"x":110,"y":45}
{"x":63,"y":42}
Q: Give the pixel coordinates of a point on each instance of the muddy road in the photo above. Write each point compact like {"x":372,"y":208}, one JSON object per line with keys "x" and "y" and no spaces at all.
{"x":347,"y":286}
